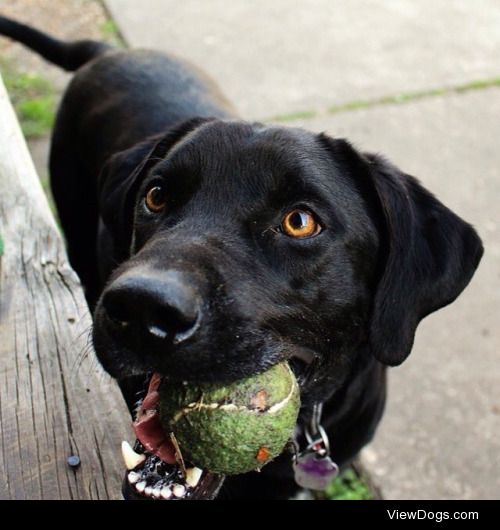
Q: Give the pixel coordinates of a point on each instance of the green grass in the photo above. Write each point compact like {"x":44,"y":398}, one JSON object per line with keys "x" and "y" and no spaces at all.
{"x":478,"y":85}
{"x":33,"y":98}
{"x":109,"y":28}
{"x":397,"y":99}
{"x":348,"y":486}
{"x":111,"y":33}
{"x":36,"y":116}
{"x":303,"y":115}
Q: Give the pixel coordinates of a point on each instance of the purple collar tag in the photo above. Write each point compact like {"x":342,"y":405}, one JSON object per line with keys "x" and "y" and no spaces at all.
{"x":313,"y":468}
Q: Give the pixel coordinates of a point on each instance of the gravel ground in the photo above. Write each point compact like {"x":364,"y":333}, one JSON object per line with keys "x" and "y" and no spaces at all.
{"x":65,"y":19}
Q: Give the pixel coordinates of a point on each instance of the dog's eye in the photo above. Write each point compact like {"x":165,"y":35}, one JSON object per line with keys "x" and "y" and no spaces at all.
{"x":300,"y":224}
{"x":156,"y":199}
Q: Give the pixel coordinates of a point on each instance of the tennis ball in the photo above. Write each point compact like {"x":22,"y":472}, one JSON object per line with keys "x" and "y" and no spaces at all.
{"x":234,"y":428}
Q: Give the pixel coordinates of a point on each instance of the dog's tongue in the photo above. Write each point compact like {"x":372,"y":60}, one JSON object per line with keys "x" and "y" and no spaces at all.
{"x":148,"y":428}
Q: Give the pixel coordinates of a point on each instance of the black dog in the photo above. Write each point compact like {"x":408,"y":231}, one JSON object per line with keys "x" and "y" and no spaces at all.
{"x":212,"y":248}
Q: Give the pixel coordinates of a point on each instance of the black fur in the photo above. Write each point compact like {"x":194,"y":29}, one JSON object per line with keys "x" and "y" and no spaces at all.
{"x":340,"y":305}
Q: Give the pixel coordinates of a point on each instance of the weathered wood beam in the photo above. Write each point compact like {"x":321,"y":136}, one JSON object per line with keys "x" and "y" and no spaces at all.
{"x":55,"y":400}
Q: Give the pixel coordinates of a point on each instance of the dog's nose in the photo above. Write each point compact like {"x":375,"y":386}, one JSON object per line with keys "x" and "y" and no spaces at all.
{"x":160,"y":306}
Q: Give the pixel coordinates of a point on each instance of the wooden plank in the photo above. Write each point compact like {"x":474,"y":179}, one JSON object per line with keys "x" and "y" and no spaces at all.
{"x":55,"y":400}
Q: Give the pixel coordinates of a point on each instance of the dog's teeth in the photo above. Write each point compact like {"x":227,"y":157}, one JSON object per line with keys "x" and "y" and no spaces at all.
{"x":141,"y":486}
{"x":157,"y":492}
{"x":134,"y":477}
{"x":193,"y":475}
{"x":131,"y":458}
{"x":166,"y":492}
{"x":148,"y":491}
{"x":179,"y":490}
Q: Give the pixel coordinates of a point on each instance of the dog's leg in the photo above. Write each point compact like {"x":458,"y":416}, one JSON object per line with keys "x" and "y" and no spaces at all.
{"x":75,"y":198}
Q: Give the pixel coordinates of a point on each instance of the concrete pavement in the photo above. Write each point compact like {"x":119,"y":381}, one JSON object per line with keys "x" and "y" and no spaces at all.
{"x":440,"y":437}
{"x":283,"y":56}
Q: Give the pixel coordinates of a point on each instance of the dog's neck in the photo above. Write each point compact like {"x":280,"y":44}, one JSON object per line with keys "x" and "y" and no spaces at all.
{"x":351,"y":415}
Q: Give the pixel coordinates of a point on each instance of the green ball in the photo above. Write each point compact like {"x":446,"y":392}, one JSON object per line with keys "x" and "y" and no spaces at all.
{"x":234,"y":428}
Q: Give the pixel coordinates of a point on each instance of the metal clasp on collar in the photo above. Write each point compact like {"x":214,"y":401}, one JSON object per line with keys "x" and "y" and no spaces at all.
{"x":313,"y":467}
{"x":317,"y":439}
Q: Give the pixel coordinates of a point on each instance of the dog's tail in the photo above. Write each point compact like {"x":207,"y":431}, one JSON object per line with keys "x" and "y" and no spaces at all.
{"x":67,"y":55}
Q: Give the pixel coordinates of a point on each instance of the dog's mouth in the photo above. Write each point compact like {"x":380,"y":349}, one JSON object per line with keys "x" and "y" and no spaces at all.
{"x":156,"y":469}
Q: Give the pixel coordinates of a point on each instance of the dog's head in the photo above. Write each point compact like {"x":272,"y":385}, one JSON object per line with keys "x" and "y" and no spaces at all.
{"x":242,"y":245}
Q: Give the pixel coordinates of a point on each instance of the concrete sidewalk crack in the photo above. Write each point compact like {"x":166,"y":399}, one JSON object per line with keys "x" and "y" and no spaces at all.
{"x":396,"y":99}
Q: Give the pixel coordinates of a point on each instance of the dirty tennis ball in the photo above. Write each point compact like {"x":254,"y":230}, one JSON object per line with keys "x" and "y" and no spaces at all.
{"x":235,"y":428}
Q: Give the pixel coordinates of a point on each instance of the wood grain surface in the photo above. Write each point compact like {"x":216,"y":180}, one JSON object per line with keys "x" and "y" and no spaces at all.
{"x":55,"y":400}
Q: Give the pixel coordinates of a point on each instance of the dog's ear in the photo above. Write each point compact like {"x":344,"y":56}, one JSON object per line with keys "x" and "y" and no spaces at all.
{"x":431,"y":255}
{"x":121,"y":178}
{"x":428,"y":254}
